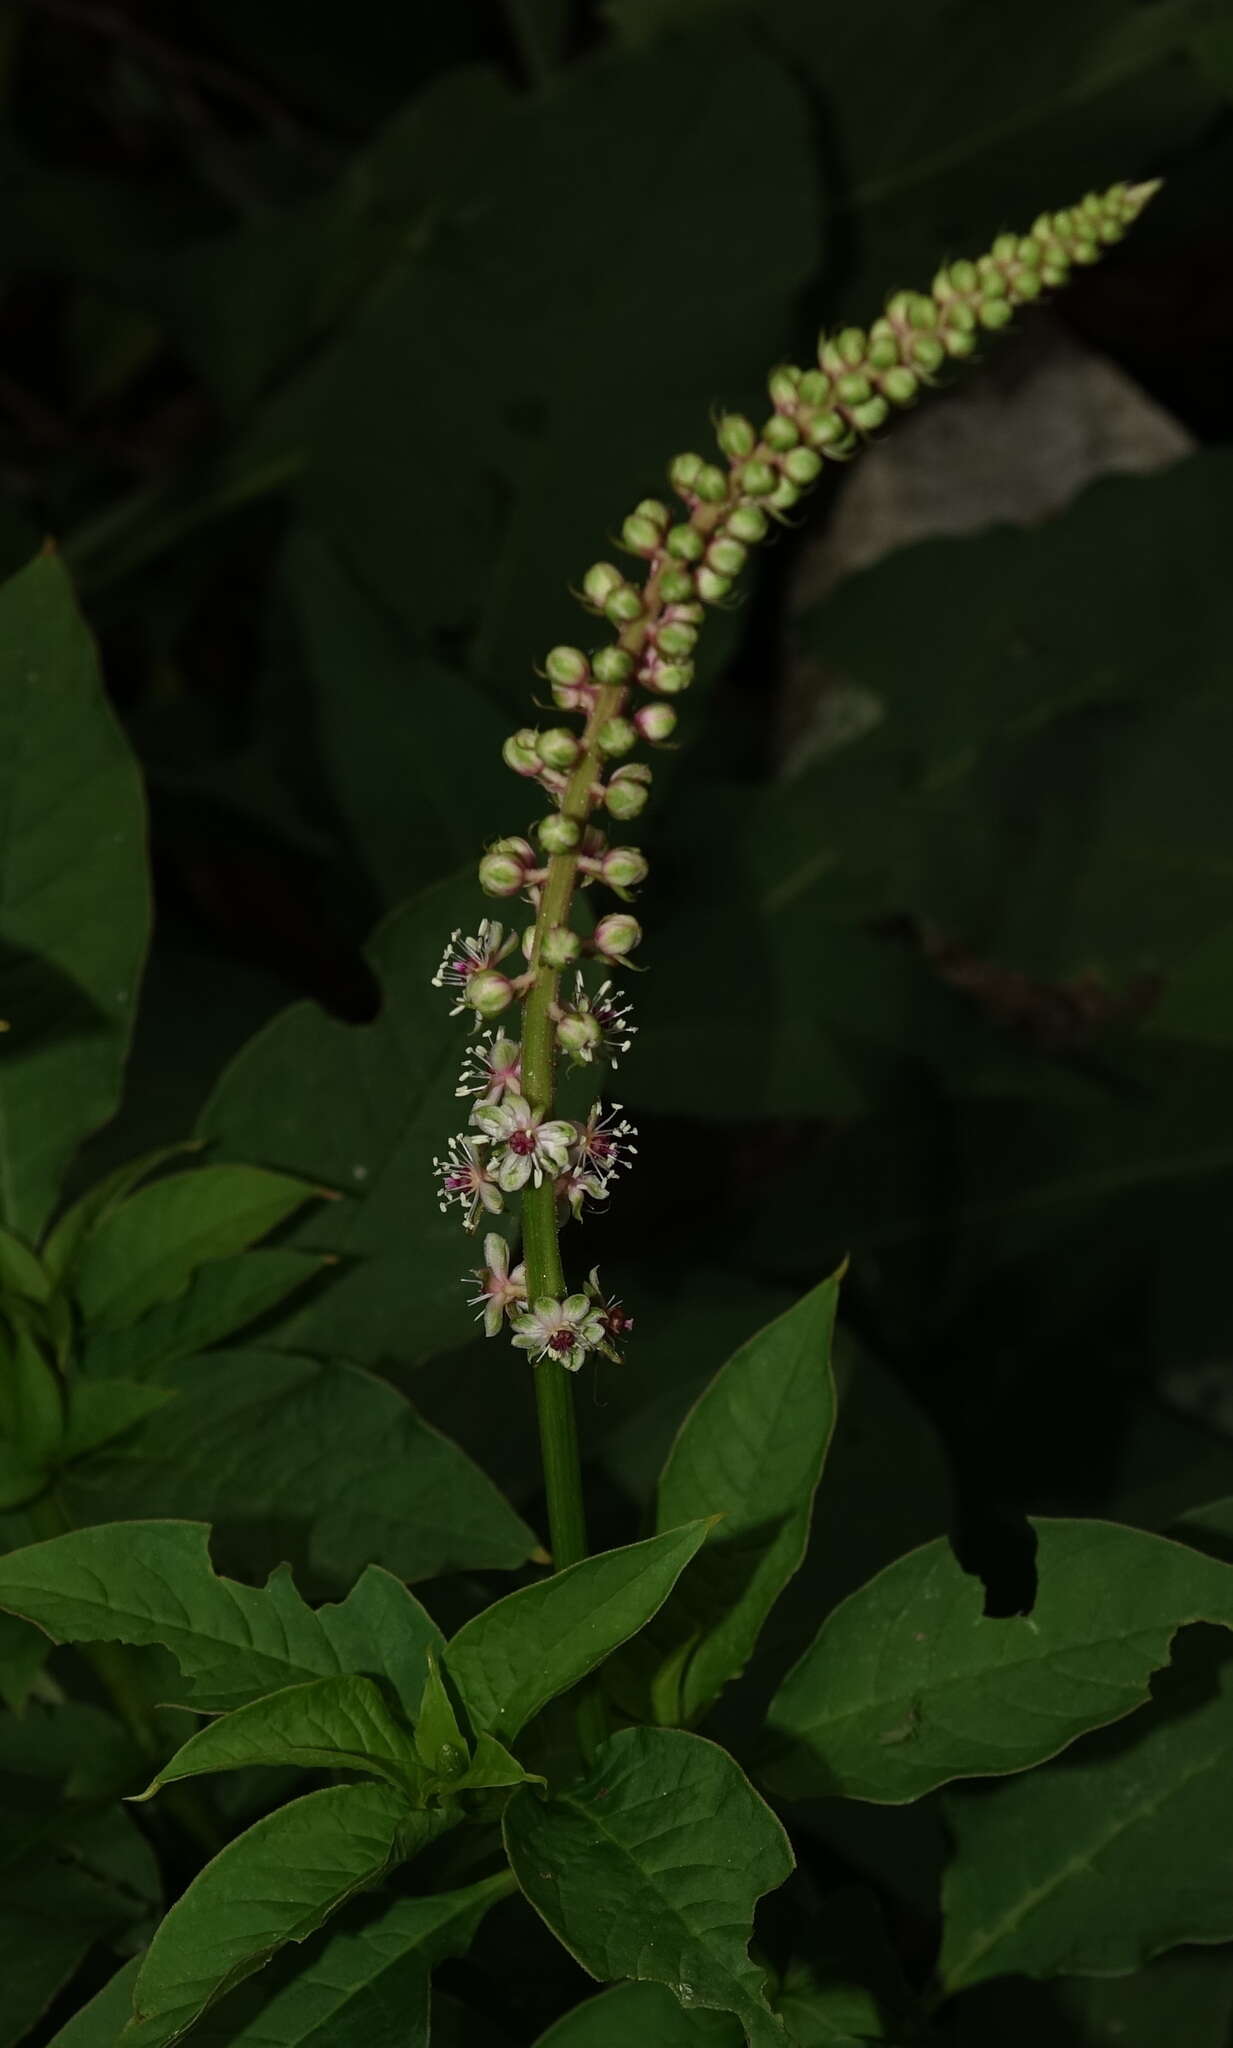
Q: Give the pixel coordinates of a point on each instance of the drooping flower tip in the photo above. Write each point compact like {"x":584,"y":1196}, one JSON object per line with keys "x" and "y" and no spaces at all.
{"x":501,"y":1292}
{"x":492,"y":1068}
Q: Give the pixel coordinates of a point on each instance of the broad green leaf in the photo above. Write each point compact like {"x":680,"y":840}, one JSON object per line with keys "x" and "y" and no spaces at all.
{"x":98,"y":2023}
{"x":152,"y":1582}
{"x":751,"y":1450}
{"x":910,"y":1683}
{"x":66,"y":1237}
{"x":320,"y":1463}
{"x":645,"y":2013}
{"x":389,"y":1085}
{"x":327,"y":1724}
{"x":222,"y":1297}
{"x":147,"y":1250}
{"x":74,"y":898}
{"x":99,"y":1411}
{"x":1110,"y":1855}
{"x":277,"y":1883}
{"x":509,"y":1661}
{"x":652,"y":1868}
{"x":364,"y":1985}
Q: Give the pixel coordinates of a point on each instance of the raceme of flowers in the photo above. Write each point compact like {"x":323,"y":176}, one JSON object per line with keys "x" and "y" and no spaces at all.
{"x":624,"y":694}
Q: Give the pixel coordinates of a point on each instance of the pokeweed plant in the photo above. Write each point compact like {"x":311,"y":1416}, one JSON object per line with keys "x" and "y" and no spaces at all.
{"x":556,"y":1725}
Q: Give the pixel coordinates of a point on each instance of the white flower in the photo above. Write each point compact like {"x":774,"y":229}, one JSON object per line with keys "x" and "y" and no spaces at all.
{"x":467,"y":1180}
{"x":491,"y":1069}
{"x":578,"y":1185}
{"x":564,"y":1330}
{"x":603,"y":1144}
{"x":525,"y":1147}
{"x":463,"y":959}
{"x":500,"y":1290}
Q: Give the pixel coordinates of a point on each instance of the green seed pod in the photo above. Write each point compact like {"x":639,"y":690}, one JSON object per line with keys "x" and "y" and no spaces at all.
{"x":802,"y":466}
{"x":641,"y":536}
{"x":560,"y":947}
{"x":671,"y":677}
{"x":685,"y":543}
{"x":783,"y":384}
{"x":780,"y":432}
{"x":683,"y":471}
{"x":854,"y":388}
{"x":899,"y":385}
{"x":728,"y":556}
{"x":675,"y":584}
{"x":489,"y":992}
{"x":712,"y":484}
{"x":676,"y":637}
{"x":747,"y":523}
{"x":624,"y":606}
{"x":815,"y":387}
{"x":711,"y":587}
{"x":612,"y":665}
{"x":567,"y":666}
{"x":557,"y":747}
{"x":557,"y":833}
{"x":736,"y":436}
{"x":616,"y":736}
{"x":756,"y":479}
{"x":500,"y":874}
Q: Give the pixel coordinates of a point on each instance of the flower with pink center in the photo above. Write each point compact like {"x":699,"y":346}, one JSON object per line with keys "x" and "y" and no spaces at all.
{"x":525,"y":1146}
{"x":491,"y":1069}
{"x":564,"y":1330}
{"x":467,"y":1180}
{"x":463,"y":959}
{"x":579,"y":1185}
{"x":602,"y":1144}
{"x":500,"y":1291}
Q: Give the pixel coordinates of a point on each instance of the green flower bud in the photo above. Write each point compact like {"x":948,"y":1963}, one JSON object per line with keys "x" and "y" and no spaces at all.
{"x":963,"y":276}
{"x":825,"y":429}
{"x":683,"y":472}
{"x":675,"y":584}
{"x":612,"y":665}
{"x":654,"y":510}
{"x":815,"y":387}
{"x":871,"y":415}
{"x":579,"y":1033}
{"x":802,"y":466}
{"x":567,"y":666}
{"x":883,"y":352}
{"x":1028,"y":285}
{"x":728,"y":556}
{"x":993,"y":284}
{"x":784,"y":496}
{"x":747,"y":523}
{"x":626,"y":796}
{"x":674,"y":676}
{"x":557,"y":833}
{"x":959,"y":342}
{"x":995,"y":313}
{"x":521,"y":751}
{"x":712,"y":484}
{"x":625,"y":867}
{"x":1083,"y":250}
{"x":960,"y":317}
{"x":557,"y":747}
{"x":616,"y":736}
{"x":854,"y":388}
{"x":500,"y":874}
{"x":560,"y":946}
{"x":1030,"y":252}
{"x":641,"y":536}
{"x":685,"y":543}
{"x":899,"y":385}
{"x":489,"y":992}
{"x":780,"y":432}
{"x":676,"y":637}
{"x":599,"y":583}
{"x":924,"y":313}
{"x":1054,"y":275}
{"x":1005,"y":249}
{"x":928,"y":352}
{"x":736,"y":436}
{"x":711,"y":587}
{"x":690,"y":614}
{"x":783,"y":385}
{"x":756,"y":479}
{"x":624,"y":606}
{"x":656,"y":722}
{"x":617,"y":935}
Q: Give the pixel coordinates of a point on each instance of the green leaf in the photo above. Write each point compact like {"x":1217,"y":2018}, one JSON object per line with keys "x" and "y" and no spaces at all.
{"x":327,"y":1724}
{"x":98,"y":2023}
{"x":365,"y":1985}
{"x":147,"y":1250}
{"x":65,"y":1239}
{"x":23,"y":1653}
{"x":388,"y":1085}
{"x":277,"y":1883}
{"x":439,"y":1742}
{"x":509,"y":1661}
{"x":221,"y":1299}
{"x":1111,"y":1855}
{"x":652,"y":1867}
{"x":31,"y":1392}
{"x":751,"y":1450}
{"x":101,"y":1411}
{"x":152,"y":1582}
{"x":74,"y":899}
{"x":909,"y":1683}
{"x":645,"y":2013}
{"x":321,"y":1463}
{"x":22,"y":1271}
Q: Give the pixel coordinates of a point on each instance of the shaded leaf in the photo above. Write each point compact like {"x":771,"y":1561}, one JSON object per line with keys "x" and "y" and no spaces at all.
{"x":910,"y":1683}
{"x":221,"y":1299}
{"x":68,"y":1234}
{"x":643,"y":2012}
{"x":98,"y":2023}
{"x":328,"y":1724}
{"x":652,"y":1868}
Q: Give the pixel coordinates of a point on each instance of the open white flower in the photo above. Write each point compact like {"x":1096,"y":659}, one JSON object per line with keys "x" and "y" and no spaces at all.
{"x":467,"y":1179}
{"x":564,"y":1330}
{"x":525,"y":1147}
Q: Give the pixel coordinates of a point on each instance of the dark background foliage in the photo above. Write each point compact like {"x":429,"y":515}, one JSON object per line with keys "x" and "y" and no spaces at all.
{"x":333,"y":344}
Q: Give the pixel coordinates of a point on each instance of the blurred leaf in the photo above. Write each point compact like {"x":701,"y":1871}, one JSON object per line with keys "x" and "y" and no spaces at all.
{"x":1187,"y":1996}
{"x":222,"y":1297}
{"x":850,"y":1987}
{"x":65,"y":1239}
{"x":75,"y":907}
{"x":652,"y":1866}
{"x":910,"y":1683}
{"x":1099,"y":1862}
{"x":644,"y":2012}
{"x":321,"y":1463}
{"x":23,"y":1653}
